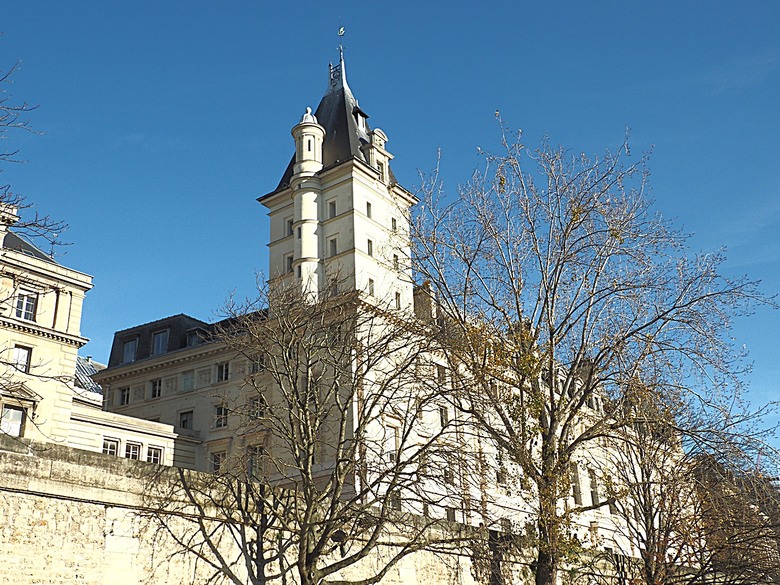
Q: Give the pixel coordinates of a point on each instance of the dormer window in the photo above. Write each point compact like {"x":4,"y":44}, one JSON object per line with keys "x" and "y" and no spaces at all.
{"x":128,"y":351}
{"x":360,"y":118}
{"x":160,"y":342}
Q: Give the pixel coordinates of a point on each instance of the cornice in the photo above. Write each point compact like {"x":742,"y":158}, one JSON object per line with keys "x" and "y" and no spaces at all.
{"x":45,"y":332}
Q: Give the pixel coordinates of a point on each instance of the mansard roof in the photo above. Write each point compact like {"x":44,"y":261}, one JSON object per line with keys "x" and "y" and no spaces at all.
{"x":338,"y":113}
{"x":12,"y":241}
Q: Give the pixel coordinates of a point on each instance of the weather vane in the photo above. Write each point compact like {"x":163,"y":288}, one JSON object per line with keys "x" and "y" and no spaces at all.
{"x":341,"y":47}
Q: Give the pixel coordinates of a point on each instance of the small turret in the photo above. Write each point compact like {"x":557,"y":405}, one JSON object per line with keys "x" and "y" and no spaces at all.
{"x":308,"y":135}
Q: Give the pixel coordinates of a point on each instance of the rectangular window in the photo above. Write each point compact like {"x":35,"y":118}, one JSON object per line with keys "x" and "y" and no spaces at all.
{"x":392,"y":444}
{"x":256,"y":406}
{"x":111,"y":446}
{"x":22,"y":358}
{"x":299,"y":233}
{"x":444,"y":416}
{"x":333,"y":246}
{"x":159,"y":342}
{"x":289,"y":261}
{"x":12,"y":421}
{"x":371,"y":287}
{"x":441,"y":374}
{"x":133,"y":451}
{"x":124,"y":396}
{"x":155,"y":388}
{"x":26,"y":305}
{"x":395,"y":261}
{"x":594,"y":487}
{"x":370,"y":248}
{"x":257,"y":365}
{"x":187,"y":381}
{"x":218,"y":461}
{"x":128,"y":351}
{"x":186,"y":420}
{"x":299,"y":272}
{"x":397,"y":300}
{"x":331,"y":209}
{"x":576,"y":489}
{"x":368,"y":209}
{"x":255,"y":455}
{"x":381,"y":168}
{"x":394,"y":224}
{"x":223,"y":371}
{"x":289,"y":227}
{"x":154,"y":455}
{"x":450,"y":514}
{"x":193,"y":338}
{"x":220,"y":416}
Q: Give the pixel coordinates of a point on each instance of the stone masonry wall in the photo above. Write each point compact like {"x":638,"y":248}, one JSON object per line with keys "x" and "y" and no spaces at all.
{"x":75,"y":517}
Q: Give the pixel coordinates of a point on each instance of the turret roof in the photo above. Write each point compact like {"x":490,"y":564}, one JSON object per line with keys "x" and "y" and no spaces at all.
{"x":338,"y":113}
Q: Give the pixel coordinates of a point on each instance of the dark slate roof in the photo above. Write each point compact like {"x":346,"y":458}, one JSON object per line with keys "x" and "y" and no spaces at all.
{"x":13,"y":241}
{"x":337,"y":113}
{"x":85,"y":367}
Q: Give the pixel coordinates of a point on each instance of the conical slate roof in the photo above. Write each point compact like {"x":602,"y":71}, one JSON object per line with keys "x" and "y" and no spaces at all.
{"x":338,"y":113}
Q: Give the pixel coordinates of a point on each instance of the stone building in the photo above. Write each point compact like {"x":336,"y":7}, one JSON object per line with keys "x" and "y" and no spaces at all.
{"x":40,"y":318}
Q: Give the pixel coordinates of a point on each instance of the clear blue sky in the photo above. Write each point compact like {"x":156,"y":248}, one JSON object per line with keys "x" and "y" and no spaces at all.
{"x":163,"y":122}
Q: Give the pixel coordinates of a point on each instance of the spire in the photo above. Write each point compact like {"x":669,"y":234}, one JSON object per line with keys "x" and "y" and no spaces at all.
{"x":338,"y":74}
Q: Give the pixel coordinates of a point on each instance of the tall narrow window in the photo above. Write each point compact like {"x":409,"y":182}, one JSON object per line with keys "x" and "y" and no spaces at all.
{"x":576,"y":489}
{"x":289,"y":227}
{"x":22,"y":358}
{"x":155,"y":388}
{"x":223,"y":371}
{"x":128,"y":351}
{"x":368,"y":209}
{"x":331,"y":209}
{"x":218,"y":461}
{"x":333,"y":245}
{"x":289,"y":260}
{"x":255,"y":456}
{"x":392,"y":444}
{"x":594,"y":487}
{"x":187,"y":381}
{"x":186,"y":419}
{"x":124,"y":396}
{"x":371,"y":287}
{"x":395,"y":261}
{"x":26,"y":305}
{"x":381,"y":169}
{"x":444,"y":416}
{"x":397,"y":300}
{"x":160,"y":342}
{"x":394,"y":224}
{"x":370,"y":247}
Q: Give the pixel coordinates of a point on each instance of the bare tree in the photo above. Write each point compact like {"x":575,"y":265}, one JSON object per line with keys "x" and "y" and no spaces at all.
{"x":559,"y":287}
{"x":343,"y":457}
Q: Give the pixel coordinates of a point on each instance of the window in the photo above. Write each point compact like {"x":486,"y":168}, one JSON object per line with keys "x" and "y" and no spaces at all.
{"x":289,"y":227}
{"x":218,"y":461}
{"x":159,"y":342}
{"x":381,"y":167}
{"x":186,"y":420}
{"x":128,"y":351}
{"x":449,"y":475}
{"x":368,"y":209}
{"x":220,"y":416}
{"x":133,"y":451}
{"x":22,"y":357}
{"x":193,"y":338}
{"x":395,"y":261}
{"x":576,"y":489}
{"x":255,"y":454}
{"x":298,"y":232}
{"x":394,"y":224}
{"x":397,"y":300}
{"x":124,"y":396}
{"x":187,"y":381}
{"x":257,"y":365}
{"x":155,"y":388}
{"x":392,"y":444}
{"x":594,"y":487}
{"x":256,"y":407}
{"x":371,"y":287}
{"x":298,"y":272}
{"x":444,"y":416}
{"x":441,"y":374}
{"x":111,"y":446}
{"x":450,"y":513}
{"x":26,"y":305}
{"x":289,"y":261}
{"x":370,"y":248}
{"x":331,"y":209}
{"x":334,"y":287}
{"x":333,"y":246}
{"x":12,"y":420}
{"x":223,"y":371}
{"x":154,"y":455}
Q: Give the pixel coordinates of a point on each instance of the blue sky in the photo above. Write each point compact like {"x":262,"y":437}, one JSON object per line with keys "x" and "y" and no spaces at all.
{"x":162,"y":123}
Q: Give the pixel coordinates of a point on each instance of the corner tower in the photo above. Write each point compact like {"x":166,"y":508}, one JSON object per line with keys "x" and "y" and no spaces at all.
{"x":339,"y":219}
